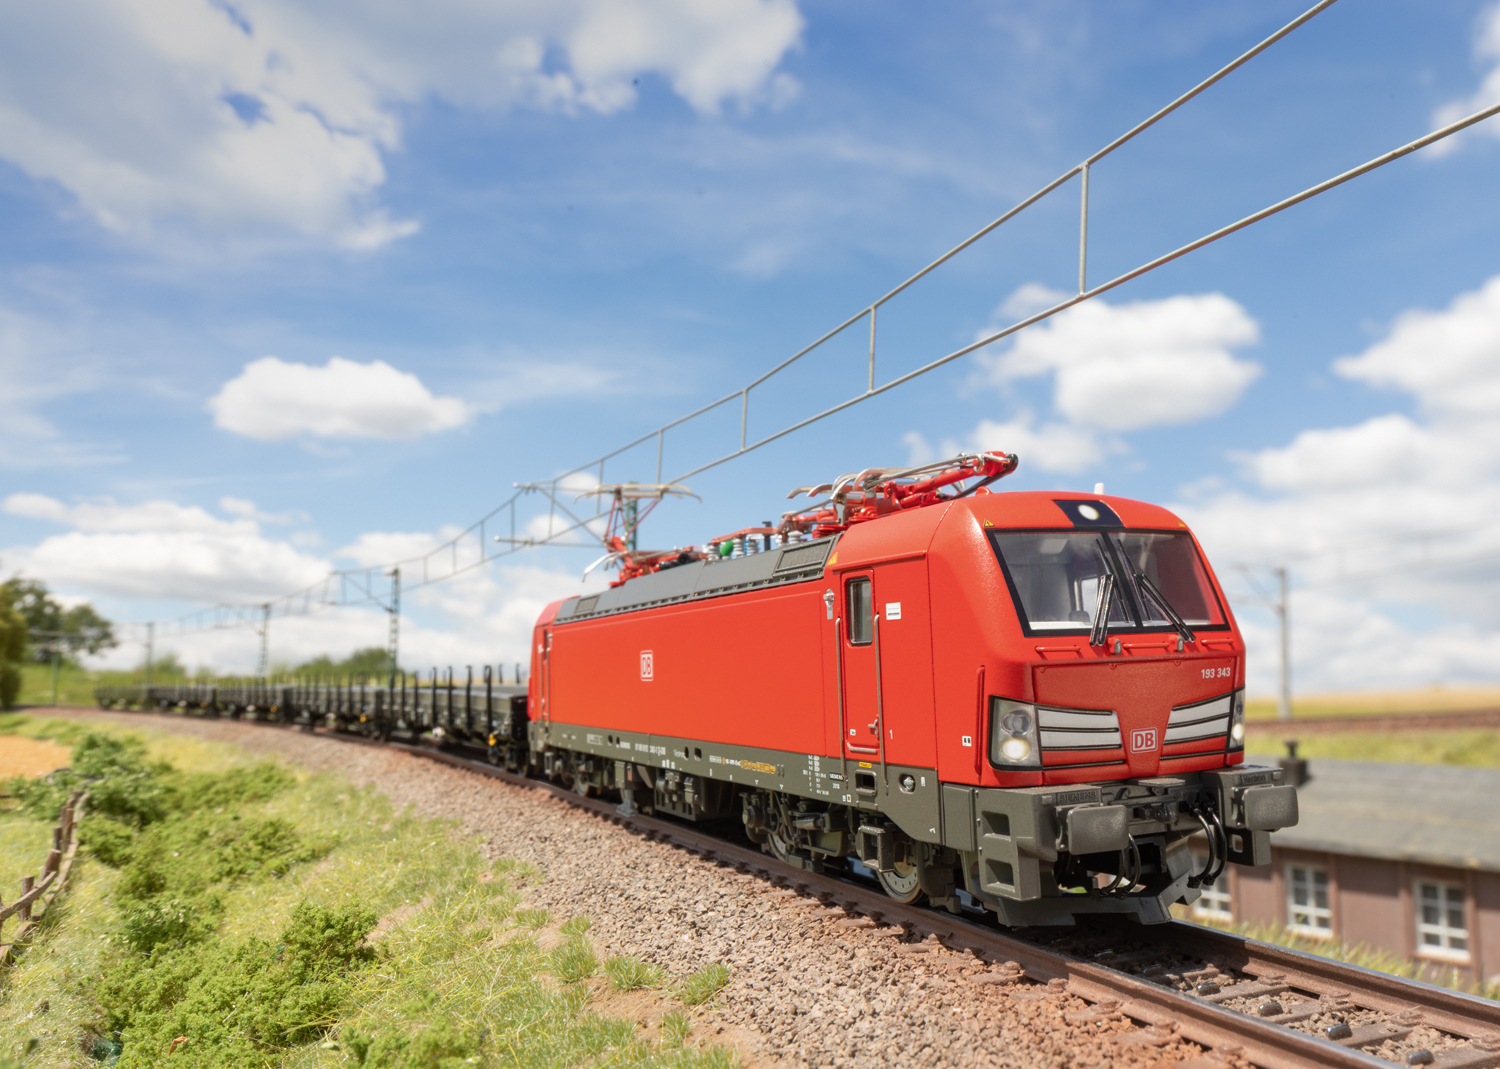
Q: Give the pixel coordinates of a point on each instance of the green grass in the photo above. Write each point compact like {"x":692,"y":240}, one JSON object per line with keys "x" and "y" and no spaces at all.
{"x":1477,"y":747}
{"x":1360,"y":954}
{"x":24,"y":843}
{"x":703,"y":984}
{"x":456,"y":976}
{"x":628,"y":973}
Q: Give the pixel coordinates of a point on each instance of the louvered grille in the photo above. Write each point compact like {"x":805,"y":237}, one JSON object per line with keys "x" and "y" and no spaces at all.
{"x":1201,"y":720}
{"x":1078,"y":729}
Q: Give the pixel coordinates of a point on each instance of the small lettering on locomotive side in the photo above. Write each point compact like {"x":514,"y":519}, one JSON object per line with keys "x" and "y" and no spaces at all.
{"x":968,"y":740}
{"x":893,"y":610}
{"x":1069,"y":797}
{"x":757,"y":766}
{"x":648,"y":666}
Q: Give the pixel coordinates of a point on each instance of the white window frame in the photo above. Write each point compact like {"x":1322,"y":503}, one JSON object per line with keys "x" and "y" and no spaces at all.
{"x":1445,"y":933}
{"x":1312,"y":910}
{"x":1214,"y":903}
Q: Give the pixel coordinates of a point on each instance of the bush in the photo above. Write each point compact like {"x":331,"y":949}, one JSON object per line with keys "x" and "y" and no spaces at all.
{"x":121,"y":783}
{"x":10,"y":685}
{"x":239,"y":1004}
{"x":111,"y":841}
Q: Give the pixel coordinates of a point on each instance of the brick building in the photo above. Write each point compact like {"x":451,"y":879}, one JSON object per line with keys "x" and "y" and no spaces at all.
{"x":1405,"y":858}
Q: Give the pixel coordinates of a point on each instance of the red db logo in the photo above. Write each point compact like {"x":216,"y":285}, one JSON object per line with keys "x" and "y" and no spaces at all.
{"x":1140,"y":741}
{"x":648,"y":667}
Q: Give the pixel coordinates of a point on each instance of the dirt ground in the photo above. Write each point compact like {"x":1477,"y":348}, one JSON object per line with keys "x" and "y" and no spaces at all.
{"x":30,"y":757}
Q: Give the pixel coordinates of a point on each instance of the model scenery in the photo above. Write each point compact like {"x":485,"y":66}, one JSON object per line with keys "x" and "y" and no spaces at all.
{"x":1025,"y":703}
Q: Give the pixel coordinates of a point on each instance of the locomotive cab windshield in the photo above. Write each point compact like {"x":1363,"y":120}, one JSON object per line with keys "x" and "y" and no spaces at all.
{"x":1056,"y":579}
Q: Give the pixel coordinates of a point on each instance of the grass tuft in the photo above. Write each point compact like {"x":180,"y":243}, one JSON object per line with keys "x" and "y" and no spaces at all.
{"x":703,"y":984}
{"x":576,"y":926}
{"x":534,"y":919}
{"x":628,"y":973}
{"x":573,"y":961}
{"x":675,"y":1027}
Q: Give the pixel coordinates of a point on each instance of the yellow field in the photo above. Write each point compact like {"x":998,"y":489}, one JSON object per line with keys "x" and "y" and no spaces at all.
{"x":1427,"y":700}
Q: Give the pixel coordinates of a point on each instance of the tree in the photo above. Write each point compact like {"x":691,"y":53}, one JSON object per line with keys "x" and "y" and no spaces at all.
{"x":372,"y":662}
{"x":52,"y":629}
{"x":12,"y":648}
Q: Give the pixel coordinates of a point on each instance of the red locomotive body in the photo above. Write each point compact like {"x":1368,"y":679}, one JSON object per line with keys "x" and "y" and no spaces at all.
{"x":1026,"y":700}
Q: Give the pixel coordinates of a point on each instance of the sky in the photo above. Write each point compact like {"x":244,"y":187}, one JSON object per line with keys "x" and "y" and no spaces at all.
{"x":290,"y":287}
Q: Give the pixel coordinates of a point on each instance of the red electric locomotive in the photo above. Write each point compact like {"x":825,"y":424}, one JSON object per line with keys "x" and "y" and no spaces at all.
{"x":1022,"y":701}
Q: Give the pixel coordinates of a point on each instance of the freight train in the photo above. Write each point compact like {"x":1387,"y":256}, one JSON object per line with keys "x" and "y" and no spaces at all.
{"x":1027,"y":703}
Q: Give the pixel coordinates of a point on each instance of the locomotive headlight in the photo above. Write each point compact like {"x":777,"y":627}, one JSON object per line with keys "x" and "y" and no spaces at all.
{"x":1013,"y":738}
{"x":1237,"y":721}
{"x":1014,"y":749}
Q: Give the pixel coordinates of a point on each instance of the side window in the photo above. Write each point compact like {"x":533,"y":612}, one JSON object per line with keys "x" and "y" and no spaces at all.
{"x":1307,"y":907}
{"x":1442,"y":927}
{"x":861,"y":614}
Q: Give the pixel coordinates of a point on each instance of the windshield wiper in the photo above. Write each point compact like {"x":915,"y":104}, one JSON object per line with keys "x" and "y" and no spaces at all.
{"x":1178,"y":623}
{"x":1099,"y":632}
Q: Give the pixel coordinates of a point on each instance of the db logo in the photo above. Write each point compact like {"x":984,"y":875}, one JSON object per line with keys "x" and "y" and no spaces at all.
{"x":648,"y":669}
{"x":1140,"y":741}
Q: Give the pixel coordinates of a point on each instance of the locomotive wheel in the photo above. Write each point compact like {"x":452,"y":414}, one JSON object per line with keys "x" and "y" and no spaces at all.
{"x":902,"y":884}
{"x":780,"y":849}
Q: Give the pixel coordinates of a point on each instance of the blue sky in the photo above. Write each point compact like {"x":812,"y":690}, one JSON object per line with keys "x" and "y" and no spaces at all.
{"x":284,"y":290}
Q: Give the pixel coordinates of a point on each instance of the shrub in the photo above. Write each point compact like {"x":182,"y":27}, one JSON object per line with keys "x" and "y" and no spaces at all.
{"x":239,"y":1004}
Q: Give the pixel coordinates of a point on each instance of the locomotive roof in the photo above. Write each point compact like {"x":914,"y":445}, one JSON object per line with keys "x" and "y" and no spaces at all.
{"x":899,"y":535}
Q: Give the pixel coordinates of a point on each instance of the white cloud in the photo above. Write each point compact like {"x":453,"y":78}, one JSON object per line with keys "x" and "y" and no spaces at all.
{"x":388,"y":547}
{"x":1487,"y":51}
{"x":269,"y":112}
{"x":1390,"y":525}
{"x":1129,"y":366}
{"x":272,"y":400}
{"x":1054,"y":447}
{"x":1029,"y":299}
{"x":42,"y":362}
{"x":157,"y":550}
{"x":239,"y":506}
{"x":1448,"y":360}
{"x":483,"y":618}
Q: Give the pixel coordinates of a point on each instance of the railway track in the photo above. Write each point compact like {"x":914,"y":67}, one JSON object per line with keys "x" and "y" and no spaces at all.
{"x":1236,"y":998}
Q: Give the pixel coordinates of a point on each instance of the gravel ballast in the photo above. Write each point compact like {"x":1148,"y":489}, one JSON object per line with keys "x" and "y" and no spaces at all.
{"x":808,"y":988}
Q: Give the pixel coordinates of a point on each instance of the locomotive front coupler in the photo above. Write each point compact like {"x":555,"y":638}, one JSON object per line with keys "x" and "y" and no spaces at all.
{"x":1244,"y":804}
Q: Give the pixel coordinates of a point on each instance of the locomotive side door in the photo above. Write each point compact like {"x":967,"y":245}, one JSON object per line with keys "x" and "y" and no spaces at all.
{"x":859,"y":654}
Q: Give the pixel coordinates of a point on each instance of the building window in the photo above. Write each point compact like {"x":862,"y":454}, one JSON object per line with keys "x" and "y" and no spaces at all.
{"x":1442,"y":927}
{"x":1307,"y":908}
{"x":1213,"y":904}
